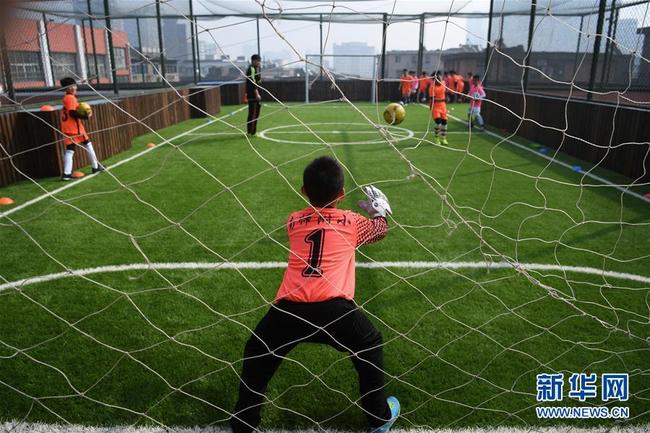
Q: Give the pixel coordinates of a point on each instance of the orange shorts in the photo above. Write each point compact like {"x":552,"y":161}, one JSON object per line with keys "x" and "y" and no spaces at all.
{"x":439,"y":110}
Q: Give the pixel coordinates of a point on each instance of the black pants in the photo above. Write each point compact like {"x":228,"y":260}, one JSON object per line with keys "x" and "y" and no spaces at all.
{"x":280,"y":331}
{"x":253,"y":113}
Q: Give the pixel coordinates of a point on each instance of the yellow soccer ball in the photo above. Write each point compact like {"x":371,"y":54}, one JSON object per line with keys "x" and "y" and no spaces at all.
{"x":84,"y":109}
{"x":394,"y":114}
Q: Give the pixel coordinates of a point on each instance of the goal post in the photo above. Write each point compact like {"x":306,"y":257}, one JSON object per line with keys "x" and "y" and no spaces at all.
{"x":355,"y":74}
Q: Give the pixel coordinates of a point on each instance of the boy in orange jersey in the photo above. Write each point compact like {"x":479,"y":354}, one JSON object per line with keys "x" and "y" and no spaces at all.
{"x":74,"y":130}
{"x":423,"y":87}
{"x":405,"y":87}
{"x":315,"y":302}
{"x":439,"y":108}
{"x":460,"y":87}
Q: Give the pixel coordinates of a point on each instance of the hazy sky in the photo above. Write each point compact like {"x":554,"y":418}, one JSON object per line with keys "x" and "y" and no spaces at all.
{"x":241,"y":35}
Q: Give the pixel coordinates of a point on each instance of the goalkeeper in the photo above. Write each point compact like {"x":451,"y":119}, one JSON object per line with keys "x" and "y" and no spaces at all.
{"x":74,"y":130}
{"x":315,"y":302}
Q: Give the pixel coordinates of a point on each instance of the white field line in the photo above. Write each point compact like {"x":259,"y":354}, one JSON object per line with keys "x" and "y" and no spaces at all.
{"x":562,"y":163}
{"x":73,"y":183}
{"x":21,"y":427}
{"x":281,"y":265}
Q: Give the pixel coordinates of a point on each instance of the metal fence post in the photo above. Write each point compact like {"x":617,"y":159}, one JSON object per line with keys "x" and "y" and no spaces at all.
{"x":383,"y":46}
{"x":111,"y":48}
{"x":489,"y":39}
{"x":92,"y":39}
{"x":594,"y":57}
{"x":259,"y":46}
{"x":575,"y":61}
{"x":607,"y":44}
{"x":194,"y":42}
{"x":420,"y":46}
{"x":531,"y":29}
{"x":49,"y":49}
{"x":161,"y":44}
{"x":143,"y":63}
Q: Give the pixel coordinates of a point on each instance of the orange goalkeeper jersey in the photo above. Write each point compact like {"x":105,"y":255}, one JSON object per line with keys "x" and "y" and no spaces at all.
{"x":322,"y":246}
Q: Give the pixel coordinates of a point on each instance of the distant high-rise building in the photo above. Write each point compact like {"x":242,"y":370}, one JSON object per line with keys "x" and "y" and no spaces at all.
{"x":354,"y":66}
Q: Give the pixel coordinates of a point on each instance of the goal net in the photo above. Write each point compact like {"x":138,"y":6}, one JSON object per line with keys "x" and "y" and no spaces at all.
{"x":322,"y":71}
{"x":510,"y":292}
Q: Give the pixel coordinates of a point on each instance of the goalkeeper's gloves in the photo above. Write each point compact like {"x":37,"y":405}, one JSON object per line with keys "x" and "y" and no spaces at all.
{"x":377,"y":204}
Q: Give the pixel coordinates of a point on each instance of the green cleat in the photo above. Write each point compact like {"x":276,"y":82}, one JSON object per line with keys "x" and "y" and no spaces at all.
{"x":436,"y":140}
{"x":444,"y":142}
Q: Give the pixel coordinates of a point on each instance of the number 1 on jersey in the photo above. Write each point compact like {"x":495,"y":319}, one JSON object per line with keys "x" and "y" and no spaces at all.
{"x":315,"y":240}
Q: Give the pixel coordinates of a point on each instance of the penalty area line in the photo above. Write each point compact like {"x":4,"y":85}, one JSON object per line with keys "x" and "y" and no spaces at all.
{"x":282,"y":265}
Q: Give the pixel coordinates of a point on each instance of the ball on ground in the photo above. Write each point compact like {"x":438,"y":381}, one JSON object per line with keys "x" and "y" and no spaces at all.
{"x":394,"y":114}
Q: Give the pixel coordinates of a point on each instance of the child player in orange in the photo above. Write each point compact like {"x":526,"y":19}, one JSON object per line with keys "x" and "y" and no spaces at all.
{"x":315,"y":302}
{"x":423,"y":87}
{"x":405,"y":87}
{"x":74,"y":130}
{"x":460,"y":87}
{"x":439,"y":108}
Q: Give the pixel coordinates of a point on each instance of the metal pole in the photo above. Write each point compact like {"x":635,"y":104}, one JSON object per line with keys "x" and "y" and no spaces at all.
{"x":259,"y":47}
{"x":198,"y":48}
{"x":420,"y":46}
{"x":92,"y":38}
{"x":594,"y":57}
{"x":499,"y":44}
{"x":161,"y":44}
{"x":49,"y":49}
{"x":607,"y":44}
{"x":531,"y":29}
{"x":575,"y":61}
{"x":143,"y":64}
{"x":194,"y":47}
{"x":306,"y":81}
{"x":487,"y":46}
{"x":111,"y":50}
{"x":6,"y":66}
{"x":321,"y":47}
{"x":383,"y":46}
{"x":83,"y":32}
{"x":609,"y":60}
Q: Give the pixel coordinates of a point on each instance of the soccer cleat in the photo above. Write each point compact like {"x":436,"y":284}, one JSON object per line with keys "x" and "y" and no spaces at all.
{"x":443,"y":141}
{"x":393,"y":405}
{"x":99,"y":168}
{"x":67,"y":177}
{"x":436,"y":140}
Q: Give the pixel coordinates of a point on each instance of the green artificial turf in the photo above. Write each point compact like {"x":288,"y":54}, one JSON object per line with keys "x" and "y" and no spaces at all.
{"x":462,"y":346}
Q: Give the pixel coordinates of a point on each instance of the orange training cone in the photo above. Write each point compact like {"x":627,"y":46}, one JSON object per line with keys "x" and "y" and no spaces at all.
{"x":5,"y":201}
{"x":47,"y":108}
{"x":78,"y":174}
{"x":150,"y":145}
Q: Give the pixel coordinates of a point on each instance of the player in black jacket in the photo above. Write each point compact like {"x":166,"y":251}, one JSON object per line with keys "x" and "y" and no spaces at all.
{"x":253,"y":79}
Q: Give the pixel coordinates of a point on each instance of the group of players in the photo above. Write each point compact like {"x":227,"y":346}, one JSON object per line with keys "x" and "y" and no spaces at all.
{"x":438,"y":90}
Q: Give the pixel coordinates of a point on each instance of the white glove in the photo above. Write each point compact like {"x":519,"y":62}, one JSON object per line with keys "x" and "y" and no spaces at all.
{"x":377,"y":204}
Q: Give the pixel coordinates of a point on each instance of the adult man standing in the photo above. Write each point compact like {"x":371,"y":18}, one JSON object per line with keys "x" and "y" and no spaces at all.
{"x":253,"y":80}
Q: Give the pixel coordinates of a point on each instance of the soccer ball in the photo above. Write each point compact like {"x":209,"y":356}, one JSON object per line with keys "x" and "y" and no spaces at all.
{"x":84,"y":109}
{"x":394,"y":114}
